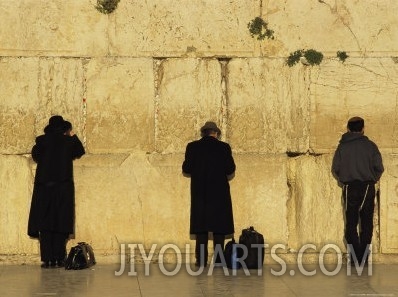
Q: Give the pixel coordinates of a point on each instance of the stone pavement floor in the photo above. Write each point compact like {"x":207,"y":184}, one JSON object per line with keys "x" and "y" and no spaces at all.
{"x":171,"y":280}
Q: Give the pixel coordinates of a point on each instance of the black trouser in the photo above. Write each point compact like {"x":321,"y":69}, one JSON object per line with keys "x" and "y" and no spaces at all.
{"x":201,"y":252}
{"x":53,"y":246}
{"x":359,"y":200}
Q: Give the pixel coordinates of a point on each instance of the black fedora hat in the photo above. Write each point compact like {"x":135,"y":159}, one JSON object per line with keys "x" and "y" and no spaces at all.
{"x":56,"y":121}
{"x":210,"y":126}
{"x":56,"y":124}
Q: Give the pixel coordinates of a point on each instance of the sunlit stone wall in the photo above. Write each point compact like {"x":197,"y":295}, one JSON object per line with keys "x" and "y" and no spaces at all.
{"x":139,"y":83}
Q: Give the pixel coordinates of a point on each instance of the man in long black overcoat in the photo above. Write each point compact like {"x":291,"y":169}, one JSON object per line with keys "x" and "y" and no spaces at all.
{"x":210,"y":165}
{"x":52,"y":212}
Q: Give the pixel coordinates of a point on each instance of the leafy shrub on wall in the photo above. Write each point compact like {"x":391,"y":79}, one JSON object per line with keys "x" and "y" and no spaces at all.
{"x":308,"y":57}
{"x":258,"y":27}
{"x":106,"y":6}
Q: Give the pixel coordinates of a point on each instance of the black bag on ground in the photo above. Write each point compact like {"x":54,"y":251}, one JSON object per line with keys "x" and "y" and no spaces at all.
{"x":80,"y":256}
{"x":231,"y":255}
{"x":255,"y":254}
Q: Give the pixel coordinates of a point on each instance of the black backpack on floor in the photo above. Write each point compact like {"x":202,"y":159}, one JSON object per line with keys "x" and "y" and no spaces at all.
{"x":80,"y":256}
{"x":255,"y":256}
{"x":229,"y":256}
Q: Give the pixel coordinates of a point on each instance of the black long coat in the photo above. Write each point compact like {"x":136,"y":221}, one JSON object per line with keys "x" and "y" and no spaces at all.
{"x":209,"y":162}
{"x":53,"y":200}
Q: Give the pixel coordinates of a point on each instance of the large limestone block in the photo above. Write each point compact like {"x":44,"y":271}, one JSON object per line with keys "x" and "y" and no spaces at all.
{"x":123,"y":198}
{"x":168,"y":193}
{"x":61,"y":91}
{"x":33,"y":90}
{"x":52,"y":28}
{"x":189,"y":94}
{"x":259,"y":195}
{"x":107,"y":209}
{"x":358,"y":27}
{"x":199,"y":28}
{"x":389,"y":205}
{"x":267,"y":106}
{"x":315,"y":211}
{"x":18,"y":104}
{"x":16,"y":184}
{"x":120,"y":105}
{"x":359,"y":87}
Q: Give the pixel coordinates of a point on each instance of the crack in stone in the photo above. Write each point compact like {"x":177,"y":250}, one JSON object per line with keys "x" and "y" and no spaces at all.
{"x":140,"y":203}
{"x":334,"y":11}
{"x":158,"y":77}
{"x":224,"y":97}
{"x":84,"y":64}
{"x":374,"y":72}
{"x":328,"y":86}
{"x":387,"y":76}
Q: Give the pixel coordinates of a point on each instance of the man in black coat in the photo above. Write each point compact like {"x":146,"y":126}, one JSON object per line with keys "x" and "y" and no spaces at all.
{"x":210,"y":165}
{"x":357,"y":165}
{"x":52,"y":212}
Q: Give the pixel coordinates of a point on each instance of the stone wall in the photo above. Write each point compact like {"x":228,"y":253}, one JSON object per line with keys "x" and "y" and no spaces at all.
{"x":138,"y":84}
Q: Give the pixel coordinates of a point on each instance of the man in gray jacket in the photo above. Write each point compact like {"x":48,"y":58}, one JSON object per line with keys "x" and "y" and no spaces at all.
{"x":358,"y":166}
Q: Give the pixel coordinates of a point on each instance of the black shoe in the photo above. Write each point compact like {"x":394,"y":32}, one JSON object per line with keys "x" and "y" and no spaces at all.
{"x":53,"y":264}
{"x":45,"y":264}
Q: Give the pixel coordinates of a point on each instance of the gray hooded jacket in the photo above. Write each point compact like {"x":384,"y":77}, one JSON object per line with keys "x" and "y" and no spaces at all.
{"x":357,"y":159}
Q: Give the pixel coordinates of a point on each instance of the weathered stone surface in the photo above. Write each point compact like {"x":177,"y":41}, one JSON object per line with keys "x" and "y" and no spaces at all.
{"x":315,"y":213}
{"x":18,"y":104}
{"x":267,"y":106}
{"x":16,"y":184}
{"x":388,"y":206}
{"x":52,"y":28}
{"x":361,"y":28}
{"x":259,"y":195}
{"x":156,"y":28}
{"x":163,"y":29}
{"x":120,"y":105}
{"x":206,"y":28}
{"x":61,"y":91}
{"x":34,"y":89}
{"x":359,"y":87}
{"x":189,"y":94}
{"x":140,"y":198}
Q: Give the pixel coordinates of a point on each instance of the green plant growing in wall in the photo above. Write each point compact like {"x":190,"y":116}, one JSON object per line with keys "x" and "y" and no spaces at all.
{"x":342,"y":56}
{"x":106,"y":6}
{"x":313,"y":57}
{"x":294,"y":58}
{"x":310,"y":57}
{"x":258,"y":27}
